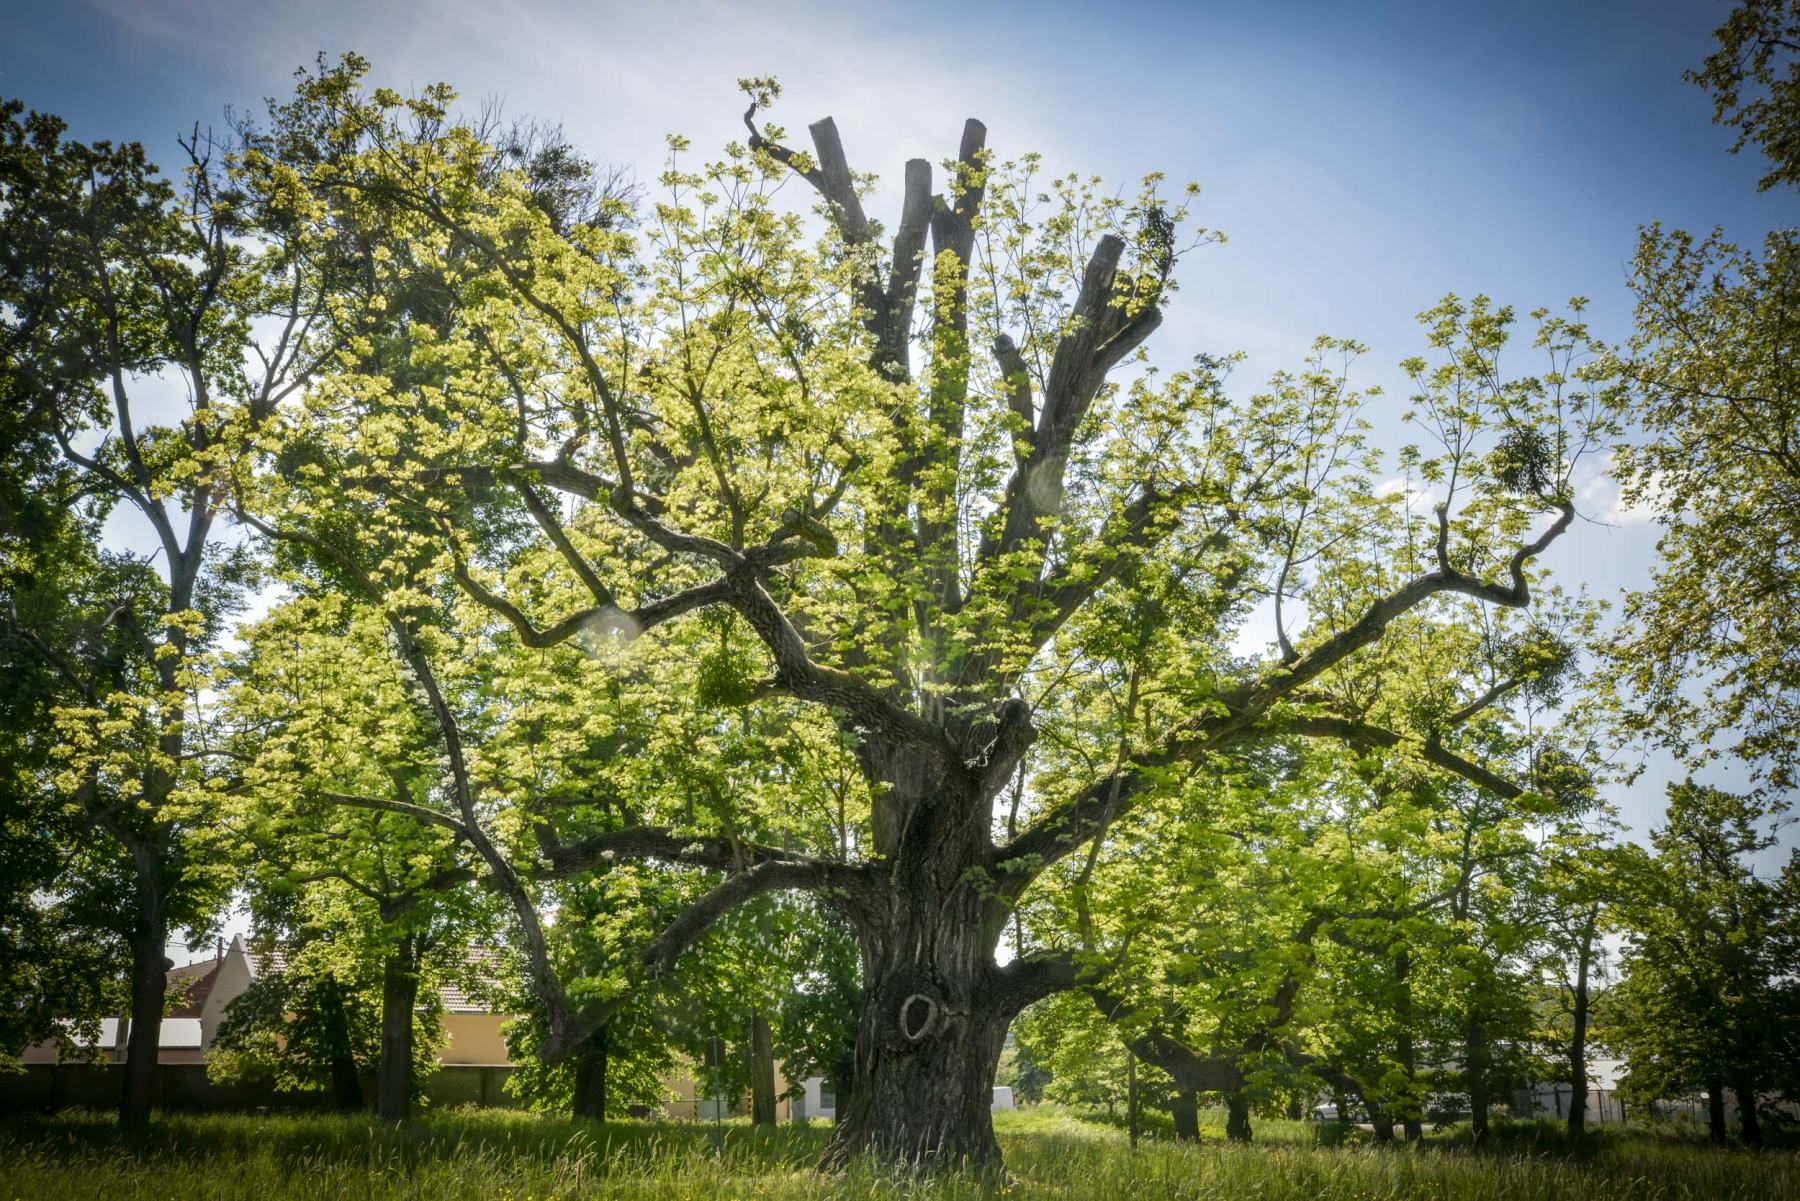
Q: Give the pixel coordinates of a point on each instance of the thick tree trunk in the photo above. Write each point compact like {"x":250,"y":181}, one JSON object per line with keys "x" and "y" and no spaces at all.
{"x":1237,"y":1117}
{"x":1715,"y":1112}
{"x":149,"y":976}
{"x":762,"y":1070}
{"x":1475,"y":1063}
{"x":399,"y":998}
{"x":935,"y":1008}
{"x":1186,"y":1112}
{"x":1382,"y":1121}
{"x":346,"y":1080}
{"x":1749,"y":1119}
{"x":591,"y":1064}
{"x":926,"y":1057}
{"x":1578,"y":1077}
{"x":933,"y":1017}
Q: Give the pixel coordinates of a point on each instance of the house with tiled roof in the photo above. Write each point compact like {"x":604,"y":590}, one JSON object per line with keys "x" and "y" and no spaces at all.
{"x":473,"y":1052}
{"x":203,"y":991}
{"x":471,"y":1025}
{"x":188,"y":1028}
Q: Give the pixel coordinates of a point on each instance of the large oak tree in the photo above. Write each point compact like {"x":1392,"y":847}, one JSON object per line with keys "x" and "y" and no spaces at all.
{"x":896,"y":474}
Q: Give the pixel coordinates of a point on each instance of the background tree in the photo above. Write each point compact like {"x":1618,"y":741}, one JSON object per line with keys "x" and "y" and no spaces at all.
{"x":1708,"y":1001}
{"x":1754,"y":77}
{"x":309,"y":1022}
{"x":1707,"y":652}
{"x":1083,"y":1058}
{"x":601,"y":916}
{"x":318,"y":711}
{"x":1579,"y":889}
{"x":61,"y":888}
{"x":116,"y":284}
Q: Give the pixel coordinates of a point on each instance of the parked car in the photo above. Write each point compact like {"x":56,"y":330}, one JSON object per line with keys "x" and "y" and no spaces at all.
{"x":1328,"y":1112}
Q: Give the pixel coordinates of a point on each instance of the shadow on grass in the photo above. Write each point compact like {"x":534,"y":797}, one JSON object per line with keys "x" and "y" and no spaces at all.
{"x":1157,"y":1126}
{"x":363,"y":1141}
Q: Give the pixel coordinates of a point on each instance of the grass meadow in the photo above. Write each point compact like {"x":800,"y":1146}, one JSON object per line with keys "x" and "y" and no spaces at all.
{"x":495,"y":1155}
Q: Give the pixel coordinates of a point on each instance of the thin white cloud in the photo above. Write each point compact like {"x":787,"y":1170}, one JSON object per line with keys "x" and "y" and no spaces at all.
{"x":1602,"y":499}
{"x":1418,"y":499}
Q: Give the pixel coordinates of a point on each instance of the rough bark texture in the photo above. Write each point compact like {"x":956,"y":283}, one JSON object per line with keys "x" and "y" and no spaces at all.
{"x":1715,"y":1112}
{"x":1475,"y":1066}
{"x":762,"y":1070}
{"x":928,"y":1042}
{"x":934,"y":1014}
{"x":399,"y":997}
{"x":1186,"y":1111}
{"x":149,"y":974}
{"x":1237,"y":1117}
{"x":591,"y":1065}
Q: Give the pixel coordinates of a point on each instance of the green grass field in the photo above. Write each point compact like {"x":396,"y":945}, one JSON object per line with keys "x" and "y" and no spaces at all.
{"x":495,"y":1155}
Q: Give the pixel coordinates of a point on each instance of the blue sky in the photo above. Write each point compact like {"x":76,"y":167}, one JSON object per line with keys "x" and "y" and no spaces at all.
{"x":1362,"y":159}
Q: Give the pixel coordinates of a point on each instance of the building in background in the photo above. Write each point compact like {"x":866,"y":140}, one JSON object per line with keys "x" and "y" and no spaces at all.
{"x":472,"y":1029}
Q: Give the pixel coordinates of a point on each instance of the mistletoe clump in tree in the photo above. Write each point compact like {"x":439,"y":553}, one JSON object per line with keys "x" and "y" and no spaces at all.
{"x":881,"y":476}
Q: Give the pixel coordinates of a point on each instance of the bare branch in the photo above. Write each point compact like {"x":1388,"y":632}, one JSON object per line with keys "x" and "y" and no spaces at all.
{"x":420,"y":813}
{"x":1018,"y":394}
{"x":909,"y":258}
{"x":1256,"y":698}
{"x":780,"y":153}
{"x":1102,"y":332}
{"x":655,"y":842}
{"x":836,"y":183}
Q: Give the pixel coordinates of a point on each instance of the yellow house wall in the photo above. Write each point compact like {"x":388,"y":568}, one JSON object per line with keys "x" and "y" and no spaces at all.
{"x":685,"y":1104}
{"x":474,"y":1038}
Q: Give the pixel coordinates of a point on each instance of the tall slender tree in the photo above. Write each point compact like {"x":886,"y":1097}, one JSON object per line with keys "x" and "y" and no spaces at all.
{"x":118,"y":286}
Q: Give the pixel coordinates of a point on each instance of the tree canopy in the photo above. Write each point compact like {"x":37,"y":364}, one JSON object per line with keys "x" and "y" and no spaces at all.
{"x":750,"y":619}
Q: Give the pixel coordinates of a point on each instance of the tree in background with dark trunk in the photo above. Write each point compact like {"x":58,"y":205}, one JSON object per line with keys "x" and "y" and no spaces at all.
{"x":1580,"y":1016}
{"x":1583,"y":884}
{"x":113,"y":277}
{"x":394,"y":902}
{"x":299,"y":1030}
{"x":591,"y":1067}
{"x":1707,"y":1000}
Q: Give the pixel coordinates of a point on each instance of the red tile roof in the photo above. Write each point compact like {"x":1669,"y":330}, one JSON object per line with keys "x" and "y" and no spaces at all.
{"x":474,"y":989}
{"x":192,"y":983}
